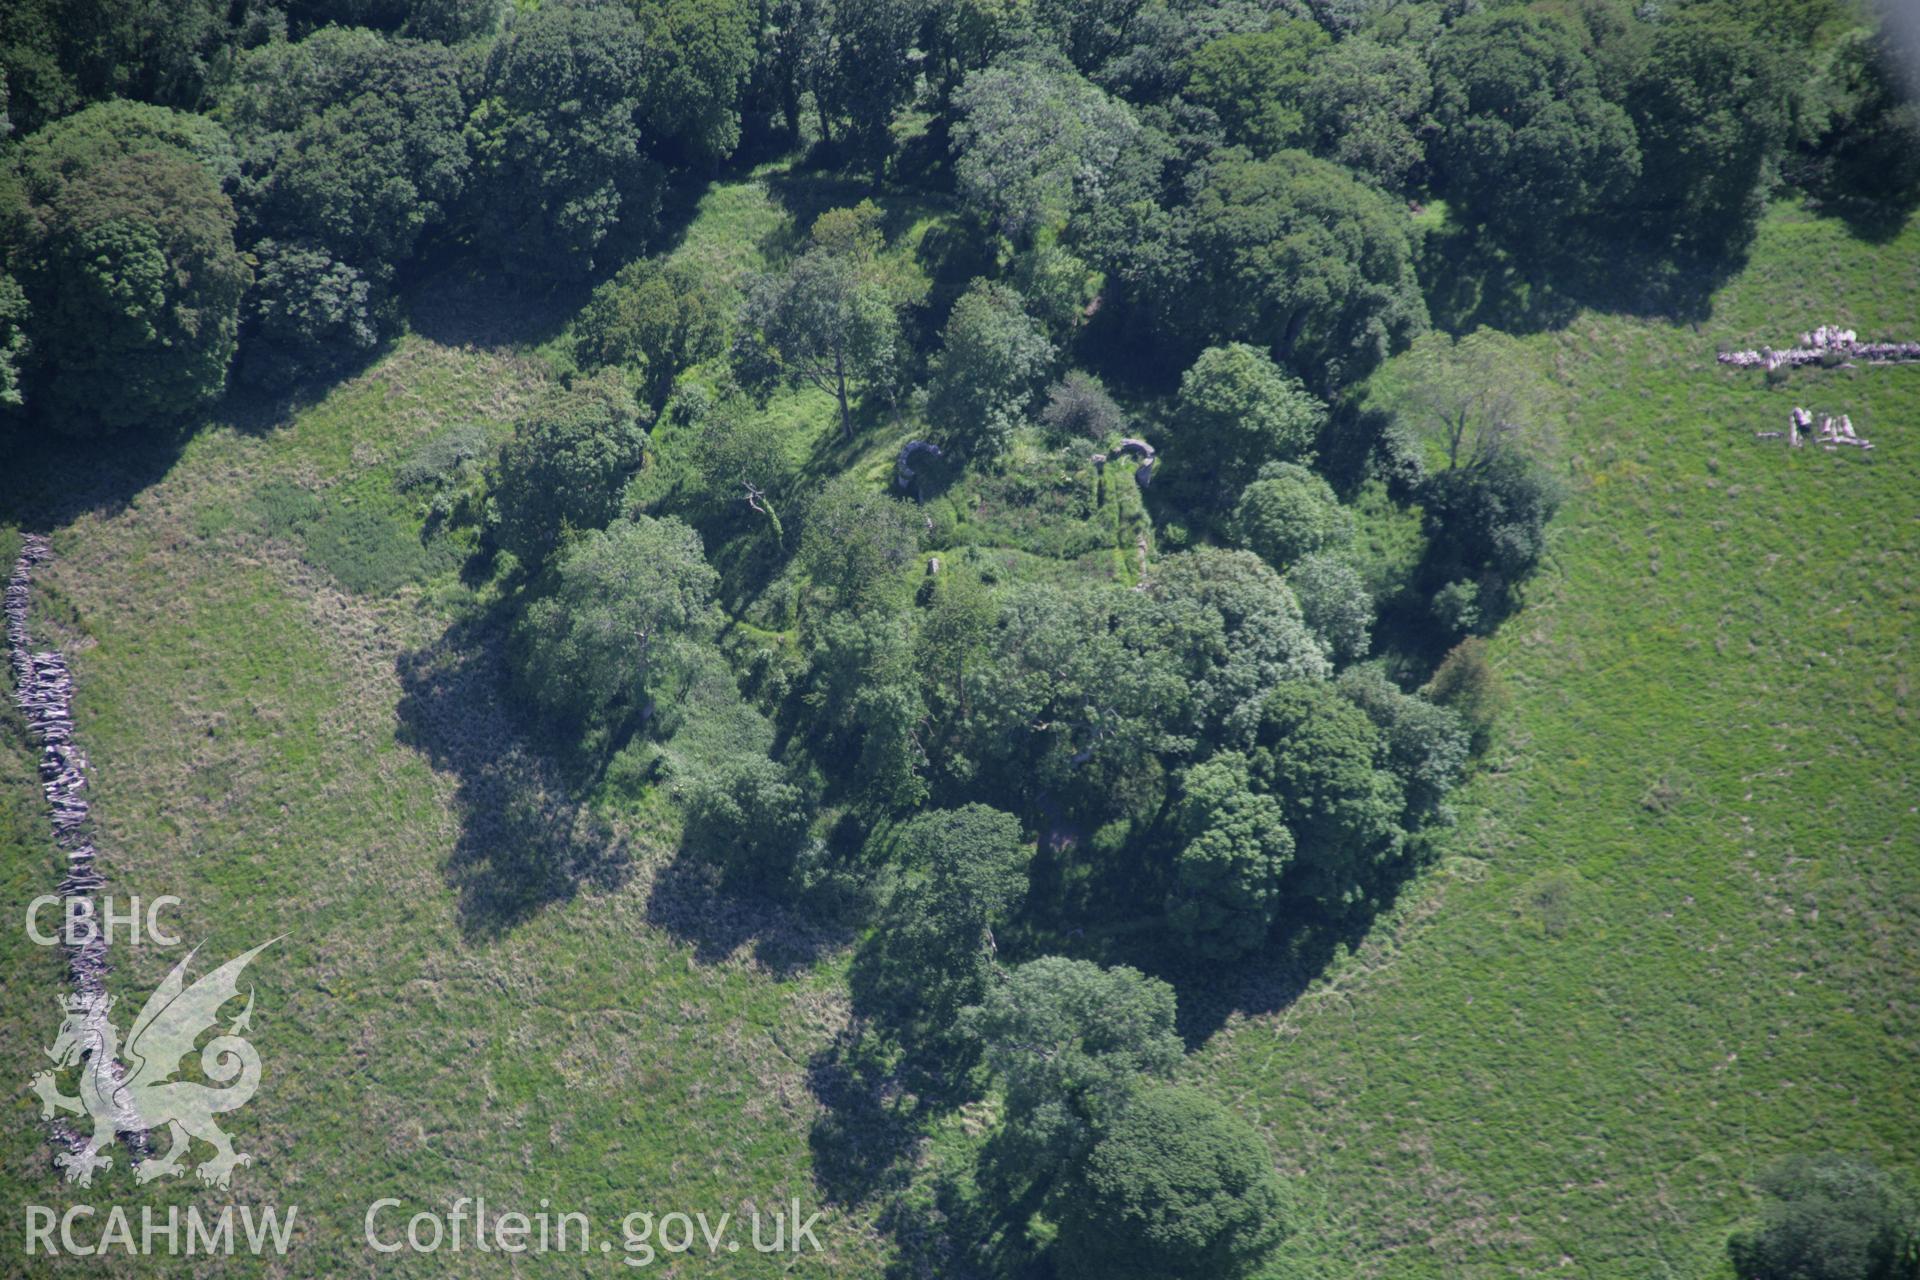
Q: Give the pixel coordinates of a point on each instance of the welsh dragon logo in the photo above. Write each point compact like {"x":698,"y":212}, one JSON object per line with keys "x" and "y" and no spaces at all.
{"x":145,"y":1095}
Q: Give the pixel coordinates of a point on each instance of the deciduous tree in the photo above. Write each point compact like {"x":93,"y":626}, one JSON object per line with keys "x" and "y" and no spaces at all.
{"x":1176,"y":1186}
{"x":624,"y":600}
{"x":565,"y":467}
{"x":1237,"y":410}
{"x":992,"y":358}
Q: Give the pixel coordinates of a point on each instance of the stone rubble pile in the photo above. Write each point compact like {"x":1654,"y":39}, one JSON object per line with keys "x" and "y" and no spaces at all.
{"x":43,"y":690}
{"x":1818,"y":345}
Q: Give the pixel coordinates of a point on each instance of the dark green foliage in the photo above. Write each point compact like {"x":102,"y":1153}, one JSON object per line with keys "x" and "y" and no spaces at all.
{"x":856,"y":540}
{"x":13,"y":341}
{"x":1238,"y":410}
{"x":1487,"y":523}
{"x":1712,"y":107}
{"x":704,"y":49}
{"x":101,"y":136}
{"x":351,"y":141}
{"x":558,"y":144}
{"x":1859,"y":127}
{"x":1466,"y":683}
{"x":1298,"y":257}
{"x":1176,"y":1186}
{"x":1226,"y":877}
{"x":1032,"y":142}
{"x":1321,"y":756}
{"x":992,"y":357}
{"x":38,"y":88}
{"x":127,"y":259}
{"x":1051,"y":702}
{"x":1226,"y":625}
{"x":656,"y":319}
{"x":749,"y":816}
{"x":565,"y":467}
{"x":1426,"y":744}
{"x":869,"y":73}
{"x":1078,"y":407}
{"x":1071,"y":1041}
{"x":1527,"y":141}
{"x":59,"y":54}
{"x":1162,"y":37}
{"x":1366,"y":106}
{"x":1289,"y":512}
{"x":308,"y":313}
{"x":1456,"y":606}
{"x":451,"y":21}
{"x":933,"y":953}
{"x":1255,"y":82}
{"x":626,"y":606}
{"x":1089,"y":32}
{"x":865,"y":686}
{"x":1830,"y":1218}
{"x":1335,"y":603}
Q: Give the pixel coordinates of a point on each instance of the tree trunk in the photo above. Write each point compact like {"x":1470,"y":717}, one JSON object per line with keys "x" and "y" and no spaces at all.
{"x":840,"y":393}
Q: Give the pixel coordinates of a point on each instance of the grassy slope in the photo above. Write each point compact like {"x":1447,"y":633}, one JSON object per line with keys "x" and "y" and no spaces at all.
{"x":1680,"y":928}
{"x":622,"y":1049}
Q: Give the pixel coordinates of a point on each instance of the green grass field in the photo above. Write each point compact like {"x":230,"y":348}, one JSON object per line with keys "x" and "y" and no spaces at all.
{"x":1678,"y":930}
{"x":1675,"y":937}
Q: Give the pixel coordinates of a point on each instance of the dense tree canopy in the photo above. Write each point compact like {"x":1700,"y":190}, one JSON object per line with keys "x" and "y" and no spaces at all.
{"x":1032,"y":141}
{"x":1712,"y":106}
{"x":1227,"y":874}
{"x":1367,"y":105}
{"x":703,"y":50}
{"x":559,"y":136}
{"x":1072,"y":1041}
{"x":654,"y":320}
{"x":123,"y":244}
{"x":1237,"y":410}
{"x":1830,"y":1217}
{"x":1288,"y":513}
{"x":992,"y":358}
{"x":1335,"y":603}
{"x":855,"y":539}
{"x":625,"y":602}
{"x":1255,"y":82}
{"x":1176,"y":1186}
{"x":1294,"y":255}
{"x":1320,"y":756}
{"x":1859,"y":126}
{"x":13,"y":341}
{"x":563,"y":469}
{"x":308,"y":313}
{"x":1527,"y":141}
{"x":350,"y":142}
{"x":933,"y":954}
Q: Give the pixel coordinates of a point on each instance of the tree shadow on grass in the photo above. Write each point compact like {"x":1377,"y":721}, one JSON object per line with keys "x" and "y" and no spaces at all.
{"x":47,"y":481}
{"x":471,"y":306}
{"x":1471,"y":282}
{"x":690,"y":900}
{"x":524,"y":842}
{"x":869,"y":1128}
